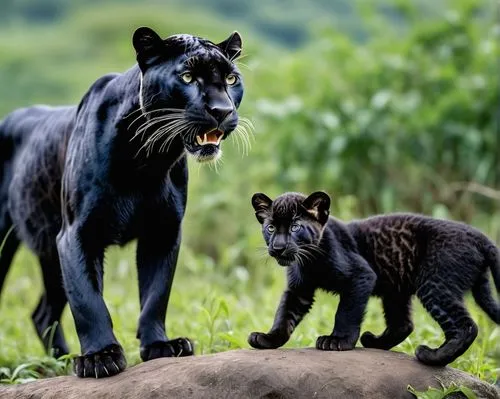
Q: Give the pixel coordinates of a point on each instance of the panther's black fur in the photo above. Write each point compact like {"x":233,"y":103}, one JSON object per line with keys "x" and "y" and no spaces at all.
{"x":392,"y":256}
{"x":77,"y":179}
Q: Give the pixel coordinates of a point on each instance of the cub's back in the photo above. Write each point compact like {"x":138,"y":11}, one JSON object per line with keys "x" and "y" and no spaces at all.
{"x":404,"y":247}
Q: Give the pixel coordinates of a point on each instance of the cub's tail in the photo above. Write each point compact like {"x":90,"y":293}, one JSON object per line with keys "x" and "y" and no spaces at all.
{"x":482,"y":290}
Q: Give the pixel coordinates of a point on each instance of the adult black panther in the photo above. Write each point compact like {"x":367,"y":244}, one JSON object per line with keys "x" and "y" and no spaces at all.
{"x":77,"y":179}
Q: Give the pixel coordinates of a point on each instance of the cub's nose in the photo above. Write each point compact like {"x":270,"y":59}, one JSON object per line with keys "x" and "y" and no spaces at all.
{"x":277,"y":249}
{"x":219,"y":112}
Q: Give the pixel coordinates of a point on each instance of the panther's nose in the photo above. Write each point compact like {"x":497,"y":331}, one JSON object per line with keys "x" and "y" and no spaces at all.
{"x":219,"y":112}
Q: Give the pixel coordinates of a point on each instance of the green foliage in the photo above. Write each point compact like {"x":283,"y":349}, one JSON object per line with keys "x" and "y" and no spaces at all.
{"x":434,"y":393}
{"x":36,"y":368}
{"x":394,"y":122}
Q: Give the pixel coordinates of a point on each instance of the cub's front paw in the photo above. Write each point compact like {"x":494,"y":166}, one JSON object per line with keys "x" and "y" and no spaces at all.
{"x":174,"y":348}
{"x":429,"y":356}
{"x":370,"y":340}
{"x":264,"y":341}
{"x":110,"y":361}
{"x":335,"y":343}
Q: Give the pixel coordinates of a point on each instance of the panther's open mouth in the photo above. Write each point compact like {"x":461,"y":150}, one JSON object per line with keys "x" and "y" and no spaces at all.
{"x":212,"y":137}
{"x":206,"y":146}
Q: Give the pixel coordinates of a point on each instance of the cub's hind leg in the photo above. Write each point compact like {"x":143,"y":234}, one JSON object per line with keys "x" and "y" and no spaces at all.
{"x":445,"y":304}
{"x":483,"y":295}
{"x":397,"y":312}
{"x":47,"y":314}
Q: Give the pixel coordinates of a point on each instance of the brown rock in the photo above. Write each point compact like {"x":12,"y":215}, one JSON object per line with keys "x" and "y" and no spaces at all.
{"x":248,"y":373}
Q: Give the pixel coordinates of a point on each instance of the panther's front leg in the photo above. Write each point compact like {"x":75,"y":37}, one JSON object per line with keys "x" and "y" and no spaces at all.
{"x":81,"y":264}
{"x":156,"y":263}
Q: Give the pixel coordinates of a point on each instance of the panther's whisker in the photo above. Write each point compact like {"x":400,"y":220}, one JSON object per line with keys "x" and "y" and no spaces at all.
{"x":170,"y":139}
{"x":145,"y":126}
{"x":170,"y":133}
{"x":159,"y":118}
{"x":176,"y":128}
{"x":218,"y":161}
{"x":166,"y":129}
{"x":171,"y":113}
{"x":246,"y":128}
{"x":161,"y":131}
{"x":132,"y":113}
{"x":152,"y":139}
{"x":235,"y":138}
{"x":181,"y":130}
{"x":240,"y":135}
{"x":240,"y":131}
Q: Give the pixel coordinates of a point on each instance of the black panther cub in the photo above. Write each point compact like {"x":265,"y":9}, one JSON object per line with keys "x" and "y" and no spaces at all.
{"x":391,"y":256}
{"x":113,"y":168}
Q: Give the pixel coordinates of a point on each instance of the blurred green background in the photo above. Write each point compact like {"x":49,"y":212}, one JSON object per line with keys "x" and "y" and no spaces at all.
{"x":388,"y":105}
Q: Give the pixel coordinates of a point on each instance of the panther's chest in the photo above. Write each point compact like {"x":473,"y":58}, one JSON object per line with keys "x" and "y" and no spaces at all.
{"x":128,"y":218}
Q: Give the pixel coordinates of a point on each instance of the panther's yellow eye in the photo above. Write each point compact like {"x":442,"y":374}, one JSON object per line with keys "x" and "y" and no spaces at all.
{"x":231,"y":79}
{"x":187,"y":77}
{"x":271,"y":228}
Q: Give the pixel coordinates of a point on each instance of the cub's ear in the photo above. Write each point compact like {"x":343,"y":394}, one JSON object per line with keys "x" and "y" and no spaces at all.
{"x":262,"y":204}
{"x":231,"y":46}
{"x":318,"y":206}
{"x":147,"y":45}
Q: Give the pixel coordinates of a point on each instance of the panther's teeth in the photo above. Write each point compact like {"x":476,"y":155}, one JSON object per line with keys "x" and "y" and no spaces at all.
{"x":210,"y":138}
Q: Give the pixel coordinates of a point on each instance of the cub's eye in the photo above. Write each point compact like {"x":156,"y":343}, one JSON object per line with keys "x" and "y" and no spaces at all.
{"x":271,"y":228}
{"x":231,"y":79}
{"x":295,"y":227}
{"x":187,"y":77}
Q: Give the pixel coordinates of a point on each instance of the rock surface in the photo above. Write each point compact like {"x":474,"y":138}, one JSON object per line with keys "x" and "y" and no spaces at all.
{"x":248,"y":373}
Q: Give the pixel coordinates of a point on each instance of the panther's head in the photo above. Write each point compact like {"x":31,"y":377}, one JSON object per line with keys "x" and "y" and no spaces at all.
{"x":191,"y":88}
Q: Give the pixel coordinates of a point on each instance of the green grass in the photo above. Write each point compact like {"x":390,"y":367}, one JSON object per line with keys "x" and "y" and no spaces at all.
{"x":217,"y":304}
{"x":444,"y":392}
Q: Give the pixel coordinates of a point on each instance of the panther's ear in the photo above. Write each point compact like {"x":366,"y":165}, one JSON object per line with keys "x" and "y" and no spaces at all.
{"x":147,"y":45}
{"x":262,"y":205}
{"x":231,"y":46}
{"x":318,"y":206}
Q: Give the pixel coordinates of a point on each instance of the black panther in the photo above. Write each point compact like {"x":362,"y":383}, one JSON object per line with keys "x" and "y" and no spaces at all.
{"x":393,"y":256}
{"x":111,"y":169}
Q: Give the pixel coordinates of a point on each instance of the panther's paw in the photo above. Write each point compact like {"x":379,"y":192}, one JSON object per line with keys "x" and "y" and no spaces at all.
{"x":335,"y":343}
{"x":260,"y":340}
{"x":105,"y":363}
{"x":174,"y":348}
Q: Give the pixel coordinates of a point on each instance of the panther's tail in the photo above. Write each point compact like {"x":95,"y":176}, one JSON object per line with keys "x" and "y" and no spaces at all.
{"x":482,"y":290}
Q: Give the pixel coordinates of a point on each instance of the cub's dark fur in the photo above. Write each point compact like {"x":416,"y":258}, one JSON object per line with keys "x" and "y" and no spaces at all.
{"x":113,"y":168}
{"x":391,"y":256}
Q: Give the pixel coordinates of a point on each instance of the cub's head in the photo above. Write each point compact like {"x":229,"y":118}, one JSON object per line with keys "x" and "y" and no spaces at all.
{"x":292,"y":224}
{"x":190,"y":87}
